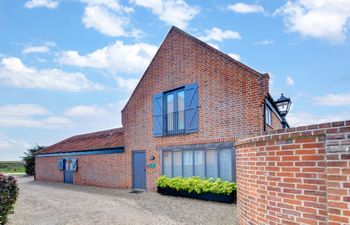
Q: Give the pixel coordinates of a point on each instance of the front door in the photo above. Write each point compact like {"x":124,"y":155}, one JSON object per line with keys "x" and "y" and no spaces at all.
{"x":139,"y":170}
{"x":68,"y":171}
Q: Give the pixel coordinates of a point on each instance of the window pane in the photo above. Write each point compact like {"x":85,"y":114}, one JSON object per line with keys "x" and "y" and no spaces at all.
{"x":181,"y":100}
{"x":181,"y":109}
{"x":177,"y":164}
{"x":170,"y":110}
{"x":268,"y":115}
{"x":225,"y":164}
{"x":167,"y":164}
{"x":212,"y":164}
{"x":199,"y":163}
{"x":188,"y":163}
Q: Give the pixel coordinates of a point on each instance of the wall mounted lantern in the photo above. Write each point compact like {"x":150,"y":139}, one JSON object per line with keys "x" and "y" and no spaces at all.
{"x":283,"y":105}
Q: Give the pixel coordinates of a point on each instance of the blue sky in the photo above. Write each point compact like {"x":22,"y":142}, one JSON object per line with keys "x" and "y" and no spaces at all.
{"x":68,"y":66}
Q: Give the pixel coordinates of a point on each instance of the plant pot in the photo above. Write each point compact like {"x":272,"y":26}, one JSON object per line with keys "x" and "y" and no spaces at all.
{"x":203,"y":196}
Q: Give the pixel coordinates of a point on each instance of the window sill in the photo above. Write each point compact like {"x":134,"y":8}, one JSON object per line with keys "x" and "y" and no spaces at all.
{"x":269,"y":125}
{"x":176,"y":134}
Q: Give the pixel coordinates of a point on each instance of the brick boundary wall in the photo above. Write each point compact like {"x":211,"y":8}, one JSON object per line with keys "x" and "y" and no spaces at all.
{"x":295,"y":176}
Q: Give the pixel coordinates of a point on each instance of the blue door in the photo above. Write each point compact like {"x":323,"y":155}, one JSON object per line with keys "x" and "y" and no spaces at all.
{"x":68,"y":171}
{"x":139,"y":170}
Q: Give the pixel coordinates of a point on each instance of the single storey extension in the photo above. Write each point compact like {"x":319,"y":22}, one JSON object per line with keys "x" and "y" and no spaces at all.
{"x":182,"y":119}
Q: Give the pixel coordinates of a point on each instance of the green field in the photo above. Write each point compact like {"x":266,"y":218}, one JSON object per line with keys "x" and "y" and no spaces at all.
{"x":11,"y":167}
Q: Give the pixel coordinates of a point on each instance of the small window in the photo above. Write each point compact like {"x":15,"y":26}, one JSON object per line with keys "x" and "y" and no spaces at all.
{"x":225,"y":159}
{"x":188,"y":163}
{"x":199,"y":163}
{"x":167,"y":164}
{"x":268,"y":116}
{"x":212,"y":164}
{"x":177,"y":160}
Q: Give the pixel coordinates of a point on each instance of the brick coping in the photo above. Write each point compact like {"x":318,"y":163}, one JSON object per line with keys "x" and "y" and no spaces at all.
{"x":294,"y":132}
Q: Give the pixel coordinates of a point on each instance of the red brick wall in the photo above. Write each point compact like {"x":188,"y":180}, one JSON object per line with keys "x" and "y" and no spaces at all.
{"x":295,"y":176}
{"x":46,"y":169}
{"x":110,"y":170}
{"x":231,"y":98}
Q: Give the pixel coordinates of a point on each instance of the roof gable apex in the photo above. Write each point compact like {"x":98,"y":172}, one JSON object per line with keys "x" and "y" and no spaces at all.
{"x":198,"y":41}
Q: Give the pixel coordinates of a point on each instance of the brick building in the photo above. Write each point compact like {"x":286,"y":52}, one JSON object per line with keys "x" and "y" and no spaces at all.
{"x":182,"y":119}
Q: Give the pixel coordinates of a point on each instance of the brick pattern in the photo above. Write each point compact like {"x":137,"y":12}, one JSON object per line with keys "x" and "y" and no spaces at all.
{"x":295,"y":176}
{"x":46,"y":169}
{"x":108,"y":170}
{"x":231,"y":97}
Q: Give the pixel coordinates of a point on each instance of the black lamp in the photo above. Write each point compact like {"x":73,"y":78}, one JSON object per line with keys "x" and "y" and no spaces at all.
{"x":283,"y":105}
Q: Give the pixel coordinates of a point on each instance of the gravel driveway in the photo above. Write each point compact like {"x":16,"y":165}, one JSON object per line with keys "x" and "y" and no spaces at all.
{"x":55,"y":203}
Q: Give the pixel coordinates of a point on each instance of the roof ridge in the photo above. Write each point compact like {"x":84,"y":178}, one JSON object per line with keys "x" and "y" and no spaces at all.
{"x":96,"y":132}
{"x":117,"y":130}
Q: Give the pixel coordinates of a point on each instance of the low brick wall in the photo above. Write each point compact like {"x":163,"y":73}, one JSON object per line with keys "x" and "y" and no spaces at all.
{"x":295,"y":176}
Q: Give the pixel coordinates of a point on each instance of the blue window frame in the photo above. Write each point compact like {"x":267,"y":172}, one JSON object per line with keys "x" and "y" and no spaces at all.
{"x":174,"y":112}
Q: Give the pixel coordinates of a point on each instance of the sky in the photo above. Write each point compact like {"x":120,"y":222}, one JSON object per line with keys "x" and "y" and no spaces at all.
{"x":69,"y":66}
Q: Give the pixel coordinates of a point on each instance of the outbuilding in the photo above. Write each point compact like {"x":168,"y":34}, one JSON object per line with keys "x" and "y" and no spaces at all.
{"x":89,"y":159}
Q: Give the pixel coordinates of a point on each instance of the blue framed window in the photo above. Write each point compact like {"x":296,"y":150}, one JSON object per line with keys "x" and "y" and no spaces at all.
{"x":175,"y":112}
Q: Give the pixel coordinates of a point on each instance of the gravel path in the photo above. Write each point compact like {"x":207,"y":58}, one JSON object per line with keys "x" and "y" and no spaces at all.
{"x":55,"y":203}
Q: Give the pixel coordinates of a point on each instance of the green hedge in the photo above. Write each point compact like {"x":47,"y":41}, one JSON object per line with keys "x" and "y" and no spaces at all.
{"x":196,"y":184}
{"x":8,"y":196}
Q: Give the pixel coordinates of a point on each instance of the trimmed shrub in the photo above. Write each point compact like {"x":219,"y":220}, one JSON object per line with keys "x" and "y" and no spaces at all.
{"x":8,"y":196}
{"x":197,"y":185}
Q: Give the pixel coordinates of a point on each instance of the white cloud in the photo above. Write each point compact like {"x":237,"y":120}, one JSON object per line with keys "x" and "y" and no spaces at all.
{"x":22,"y":110}
{"x":84,"y":111}
{"x":96,"y":117}
{"x":11,"y":149}
{"x":325,"y":19}
{"x":127,"y":84}
{"x":109,"y":18}
{"x":51,"y":4}
{"x":245,"y":8}
{"x":333,"y":99}
{"x":15,"y":74}
{"x":31,"y":115}
{"x":301,"y":119}
{"x":290,"y":81}
{"x":53,"y":122}
{"x":173,"y":12}
{"x":235,"y":56}
{"x":216,"y":34}
{"x":264,"y":42}
{"x":117,"y":57}
{"x":35,"y":49}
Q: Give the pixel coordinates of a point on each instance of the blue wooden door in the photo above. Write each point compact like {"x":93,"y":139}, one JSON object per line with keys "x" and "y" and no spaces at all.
{"x":68,"y":171}
{"x":139,"y":170}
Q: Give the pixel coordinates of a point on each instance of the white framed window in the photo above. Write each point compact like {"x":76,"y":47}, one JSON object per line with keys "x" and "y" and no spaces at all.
{"x":268,"y":116}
